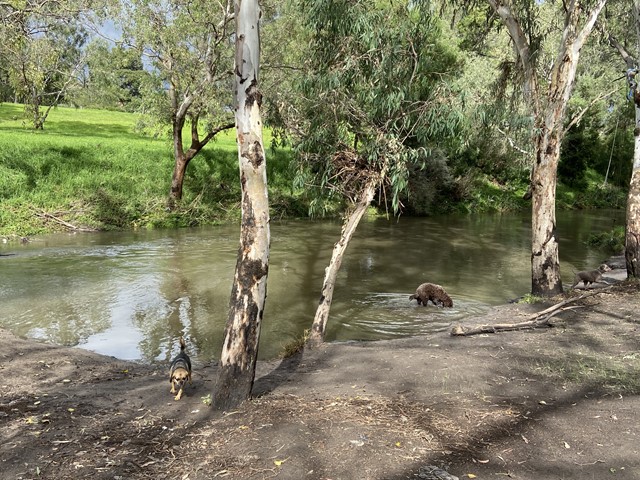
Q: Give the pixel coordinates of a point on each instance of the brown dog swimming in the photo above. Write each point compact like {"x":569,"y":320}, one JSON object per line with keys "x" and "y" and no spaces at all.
{"x":432,"y":292}
{"x":180,"y":371}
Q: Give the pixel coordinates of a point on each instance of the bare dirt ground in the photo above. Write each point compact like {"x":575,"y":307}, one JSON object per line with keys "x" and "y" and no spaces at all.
{"x":550,"y":403}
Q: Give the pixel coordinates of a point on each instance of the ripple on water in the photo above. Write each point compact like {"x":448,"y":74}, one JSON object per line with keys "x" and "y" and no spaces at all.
{"x":392,"y":315}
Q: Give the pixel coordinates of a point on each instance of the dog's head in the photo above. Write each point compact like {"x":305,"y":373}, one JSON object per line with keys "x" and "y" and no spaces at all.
{"x":179,"y":376}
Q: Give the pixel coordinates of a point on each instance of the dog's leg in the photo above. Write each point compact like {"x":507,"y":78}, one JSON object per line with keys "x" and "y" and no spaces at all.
{"x":179,"y":395}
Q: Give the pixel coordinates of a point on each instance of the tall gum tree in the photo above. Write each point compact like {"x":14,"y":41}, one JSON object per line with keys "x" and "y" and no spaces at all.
{"x":632,"y":233}
{"x":248,"y":295}
{"x":548,"y":103}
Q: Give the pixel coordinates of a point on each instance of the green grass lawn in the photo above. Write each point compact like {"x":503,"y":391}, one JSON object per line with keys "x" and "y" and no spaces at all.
{"x":91,"y":168}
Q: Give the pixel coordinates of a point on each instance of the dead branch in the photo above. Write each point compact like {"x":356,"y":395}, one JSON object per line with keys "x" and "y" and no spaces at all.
{"x":576,"y":119}
{"x":537,"y":320}
{"x":70,"y":226}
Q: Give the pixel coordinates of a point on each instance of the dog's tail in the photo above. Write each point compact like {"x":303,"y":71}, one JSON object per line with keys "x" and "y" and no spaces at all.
{"x":183,"y":345}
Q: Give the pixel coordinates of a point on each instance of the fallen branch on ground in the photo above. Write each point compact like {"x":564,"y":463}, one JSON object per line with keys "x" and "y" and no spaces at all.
{"x":537,"y":320}
{"x":48,"y":216}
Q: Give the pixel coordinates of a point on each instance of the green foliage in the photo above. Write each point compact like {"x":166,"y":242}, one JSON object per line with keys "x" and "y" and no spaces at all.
{"x":375,"y":94}
{"x":593,"y":194}
{"x":187,"y":45}
{"x":612,"y":241}
{"x":115,"y":77}
{"x":41,"y":52}
{"x":576,"y":147}
{"x":295,"y":346}
{"x":530,"y":299}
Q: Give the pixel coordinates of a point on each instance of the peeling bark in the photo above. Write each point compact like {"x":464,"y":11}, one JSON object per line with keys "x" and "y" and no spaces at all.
{"x":318,"y":328}
{"x":545,"y":263}
{"x":632,"y":237}
{"x":248,"y":295}
{"x":548,"y":111}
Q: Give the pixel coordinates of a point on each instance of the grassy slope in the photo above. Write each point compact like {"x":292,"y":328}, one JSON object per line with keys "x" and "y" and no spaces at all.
{"x":90,"y":168}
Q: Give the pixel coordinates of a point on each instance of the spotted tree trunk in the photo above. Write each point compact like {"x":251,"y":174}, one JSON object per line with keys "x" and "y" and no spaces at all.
{"x":248,"y":295}
{"x":545,"y":263}
{"x":632,"y":240}
{"x":318,"y":328}
{"x":548,"y":109}
{"x":632,"y":237}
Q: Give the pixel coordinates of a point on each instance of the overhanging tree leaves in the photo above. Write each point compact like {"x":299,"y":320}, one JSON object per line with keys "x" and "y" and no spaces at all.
{"x":114,"y":77}
{"x":249,"y":292}
{"x":375,"y":101}
{"x":548,"y":101}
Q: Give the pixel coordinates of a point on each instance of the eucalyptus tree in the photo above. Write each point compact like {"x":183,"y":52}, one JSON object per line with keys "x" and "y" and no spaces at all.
{"x":42,"y":52}
{"x":248,"y":295}
{"x":374,"y":101}
{"x":114,"y":77}
{"x":186,"y":45}
{"x":548,"y":88}
{"x":624,"y":36}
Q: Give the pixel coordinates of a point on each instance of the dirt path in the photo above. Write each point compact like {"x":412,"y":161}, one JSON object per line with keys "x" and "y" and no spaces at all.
{"x":555,"y":403}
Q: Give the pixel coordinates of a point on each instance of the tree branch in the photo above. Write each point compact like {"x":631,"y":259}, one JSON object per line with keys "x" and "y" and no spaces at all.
{"x":576,"y":119}
{"x":628,"y":59}
{"x":540,"y":319}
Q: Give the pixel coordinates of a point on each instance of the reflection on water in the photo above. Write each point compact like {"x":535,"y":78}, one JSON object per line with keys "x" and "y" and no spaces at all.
{"x":131,"y":295}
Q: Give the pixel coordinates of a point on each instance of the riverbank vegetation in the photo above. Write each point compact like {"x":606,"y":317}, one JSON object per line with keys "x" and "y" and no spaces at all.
{"x":94,"y":169}
{"x":91,"y":169}
{"x":453,"y":119}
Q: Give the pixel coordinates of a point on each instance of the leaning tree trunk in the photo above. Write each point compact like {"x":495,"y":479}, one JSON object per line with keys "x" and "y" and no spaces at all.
{"x":242,"y":333}
{"x":632,"y":237}
{"x":318,"y":328}
{"x":177,"y":179}
{"x":180,"y":159}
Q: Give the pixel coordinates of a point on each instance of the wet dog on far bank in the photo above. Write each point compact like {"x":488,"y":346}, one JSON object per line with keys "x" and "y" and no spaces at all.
{"x":432,"y":292}
{"x":180,"y":371}
{"x":591,"y":276}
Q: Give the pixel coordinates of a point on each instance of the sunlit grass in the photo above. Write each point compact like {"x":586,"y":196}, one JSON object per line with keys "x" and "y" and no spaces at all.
{"x":92,"y":168}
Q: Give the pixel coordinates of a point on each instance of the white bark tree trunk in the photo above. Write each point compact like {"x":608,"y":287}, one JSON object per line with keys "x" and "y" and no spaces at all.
{"x":318,"y":328}
{"x":548,"y":111}
{"x":632,"y":237}
{"x":242,"y":333}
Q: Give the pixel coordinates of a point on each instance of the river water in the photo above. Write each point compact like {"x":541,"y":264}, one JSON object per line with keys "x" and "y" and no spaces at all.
{"x":132,"y":294}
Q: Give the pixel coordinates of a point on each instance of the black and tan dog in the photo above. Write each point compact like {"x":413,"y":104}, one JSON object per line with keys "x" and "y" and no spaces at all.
{"x":180,"y":371}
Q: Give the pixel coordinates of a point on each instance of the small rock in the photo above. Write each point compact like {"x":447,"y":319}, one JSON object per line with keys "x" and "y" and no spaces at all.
{"x":431,"y":472}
